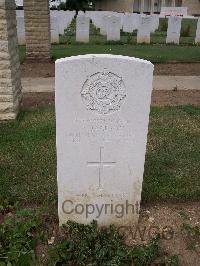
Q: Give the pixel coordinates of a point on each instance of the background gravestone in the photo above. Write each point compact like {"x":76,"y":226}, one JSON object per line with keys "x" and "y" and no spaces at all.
{"x":197,"y":39}
{"x":10,"y":82}
{"x":113,"y":28}
{"x":54,"y":30}
{"x":82,"y":29}
{"x":144,"y":29}
{"x":155,"y":23}
{"x":102,"y":116}
{"x":21,"y":31}
{"x":103,"y":23}
{"x":174,"y":29}
{"x":130,"y":22}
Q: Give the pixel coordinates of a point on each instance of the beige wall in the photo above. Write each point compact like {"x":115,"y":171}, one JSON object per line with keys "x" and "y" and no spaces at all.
{"x":193,"y":6}
{"x":115,"y":5}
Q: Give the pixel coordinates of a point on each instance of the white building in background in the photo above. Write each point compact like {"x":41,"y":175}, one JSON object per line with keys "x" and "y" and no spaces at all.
{"x":147,"y":6}
{"x":56,"y":3}
{"x":19,"y":3}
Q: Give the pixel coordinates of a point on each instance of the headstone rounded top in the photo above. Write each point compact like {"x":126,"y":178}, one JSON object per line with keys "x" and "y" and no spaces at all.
{"x":102,"y":56}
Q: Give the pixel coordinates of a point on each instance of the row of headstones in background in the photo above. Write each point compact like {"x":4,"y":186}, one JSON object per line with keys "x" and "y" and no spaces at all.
{"x":144,"y":24}
{"x":59,"y":21}
{"x":110,"y":24}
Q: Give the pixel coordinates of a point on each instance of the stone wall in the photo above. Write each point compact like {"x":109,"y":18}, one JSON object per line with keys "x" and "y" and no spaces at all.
{"x":193,"y":6}
{"x":10,"y":82}
{"x":37,"y":27}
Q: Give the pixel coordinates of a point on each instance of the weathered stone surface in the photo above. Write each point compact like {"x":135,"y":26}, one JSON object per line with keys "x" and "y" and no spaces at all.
{"x":10,"y":83}
{"x":130,"y":22}
{"x":174,"y":30}
{"x":113,"y":28}
{"x":155,"y":23}
{"x":102,"y":115}
{"x":54,"y":29}
{"x":144,"y":29}
{"x":197,"y":39}
{"x":64,"y":18}
{"x":21,"y":31}
{"x":37,"y":27}
{"x":82,"y":28}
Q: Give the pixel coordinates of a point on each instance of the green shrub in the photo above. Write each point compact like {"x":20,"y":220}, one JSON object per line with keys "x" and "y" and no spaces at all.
{"x":18,"y":238}
{"x":62,"y":6}
{"x":91,"y":245}
{"x":186,"y":31}
{"x":163,"y":25}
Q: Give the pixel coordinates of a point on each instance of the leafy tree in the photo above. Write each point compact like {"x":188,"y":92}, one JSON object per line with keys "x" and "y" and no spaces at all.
{"x":76,"y":5}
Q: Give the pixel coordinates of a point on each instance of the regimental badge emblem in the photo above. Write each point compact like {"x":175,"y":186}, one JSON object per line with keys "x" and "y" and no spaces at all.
{"x":103,"y":92}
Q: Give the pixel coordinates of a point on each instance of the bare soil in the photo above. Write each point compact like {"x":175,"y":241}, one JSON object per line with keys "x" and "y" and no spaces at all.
{"x":47,"y":69}
{"x":171,"y":221}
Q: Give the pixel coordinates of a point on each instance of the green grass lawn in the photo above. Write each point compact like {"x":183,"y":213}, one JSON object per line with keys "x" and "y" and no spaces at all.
{"x":156,"y":52}
{"x":28,"y":156}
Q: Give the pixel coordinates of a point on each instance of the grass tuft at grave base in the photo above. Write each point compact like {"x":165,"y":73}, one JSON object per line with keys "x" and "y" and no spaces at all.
{"x":28,"y":156}
{"x":156,"y":53}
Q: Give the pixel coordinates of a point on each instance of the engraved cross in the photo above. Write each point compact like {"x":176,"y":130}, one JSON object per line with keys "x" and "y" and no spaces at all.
{"x":101,"y":164}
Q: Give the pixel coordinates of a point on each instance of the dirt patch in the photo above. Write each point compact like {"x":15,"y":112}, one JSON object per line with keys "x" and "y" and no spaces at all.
{"x":47,"y":69}
{"x":173,"y":98}
{"x":159,"y":98}
{"x":189,"y":69}
{"x":176,"y":224}
{"x":31,"y":69}
{"x":39,"y":99}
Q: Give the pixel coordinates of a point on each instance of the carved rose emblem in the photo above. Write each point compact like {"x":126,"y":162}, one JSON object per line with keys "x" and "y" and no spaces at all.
{"x":103,"y":92}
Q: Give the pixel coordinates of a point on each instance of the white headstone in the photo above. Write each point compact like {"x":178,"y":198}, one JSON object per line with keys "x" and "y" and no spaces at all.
{"x":102,"y":116}
{"x":54,"y":30}
{"x":130,"y":22}
{"x":20,"y":13}
{"x":82,"y":29}
{"x":61,"y":21}
{"x":113,"y":28}
{"x":103,"y":24}
{"x":144,"y":29}
{"x":120,"y":16}
{"x":81,"y":13}
{"x":64,"y":18}
{"x":197,"y":39}
{"x":174,"y":29}
{"x":21,"y":31}
{"x":155,"y":23}
{"x":95,"y":17}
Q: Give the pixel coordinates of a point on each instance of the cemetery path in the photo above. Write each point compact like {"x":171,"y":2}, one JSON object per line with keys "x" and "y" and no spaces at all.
{"x":168,"y":83}
{"x":168,"y":91}
{"x":47,"y":69}
{"x":159,"y":98}
{"x":174,"y":84}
